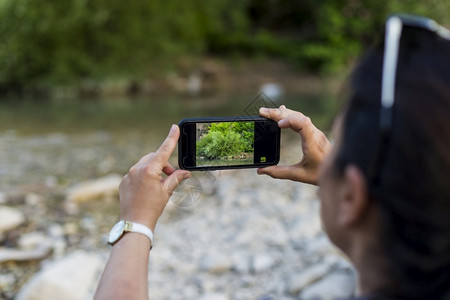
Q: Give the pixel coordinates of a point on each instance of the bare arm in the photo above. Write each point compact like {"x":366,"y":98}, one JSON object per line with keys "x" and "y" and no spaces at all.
{"x":315,"y":146}
{"x":143,"y":195}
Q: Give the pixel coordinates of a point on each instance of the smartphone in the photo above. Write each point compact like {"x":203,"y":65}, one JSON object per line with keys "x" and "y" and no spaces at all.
{"x":228,"y":143}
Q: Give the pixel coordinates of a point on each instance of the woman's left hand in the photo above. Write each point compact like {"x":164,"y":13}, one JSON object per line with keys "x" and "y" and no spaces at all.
{"x":144,"y":192}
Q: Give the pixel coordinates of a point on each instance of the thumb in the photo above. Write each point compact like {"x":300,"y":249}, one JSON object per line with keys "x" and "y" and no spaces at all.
{"x":171,"y":182}
{"x":280,"y":172}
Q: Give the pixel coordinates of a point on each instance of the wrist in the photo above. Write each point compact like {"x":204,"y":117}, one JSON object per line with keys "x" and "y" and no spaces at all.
{"x":149,"y":221}
{"x":134,"y":239}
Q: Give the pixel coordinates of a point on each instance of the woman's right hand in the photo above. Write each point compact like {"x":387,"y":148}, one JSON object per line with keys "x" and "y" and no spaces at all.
{"x":315,"y":146}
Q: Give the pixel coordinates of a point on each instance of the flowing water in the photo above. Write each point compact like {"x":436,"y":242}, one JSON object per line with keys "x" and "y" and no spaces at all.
{"x":66,"y":141}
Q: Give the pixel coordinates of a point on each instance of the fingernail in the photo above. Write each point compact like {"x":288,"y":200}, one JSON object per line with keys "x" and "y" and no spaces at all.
{"x":173,"y":127}
{"x":187,"y":175}
{"x":263,"y":110}
{"x":282,"y":106}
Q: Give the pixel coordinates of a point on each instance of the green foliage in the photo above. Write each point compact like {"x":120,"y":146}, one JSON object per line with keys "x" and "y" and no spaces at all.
{"x":226,"y":139}
{"x":59,"y":42}
{"x":343,"y":29}
{"x":48,"y":42}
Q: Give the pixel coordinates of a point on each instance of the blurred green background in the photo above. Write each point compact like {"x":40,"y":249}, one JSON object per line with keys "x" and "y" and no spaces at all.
{"x":54,"y":43}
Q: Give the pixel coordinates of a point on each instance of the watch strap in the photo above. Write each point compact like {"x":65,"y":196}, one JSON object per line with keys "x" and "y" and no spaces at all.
{"x":139,"y":228}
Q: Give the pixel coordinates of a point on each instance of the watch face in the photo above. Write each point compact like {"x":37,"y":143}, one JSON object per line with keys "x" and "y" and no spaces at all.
{"x":116,"y":232}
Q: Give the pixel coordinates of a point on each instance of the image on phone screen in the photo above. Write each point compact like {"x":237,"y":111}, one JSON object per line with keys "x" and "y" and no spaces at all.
{"x":225,"y":143}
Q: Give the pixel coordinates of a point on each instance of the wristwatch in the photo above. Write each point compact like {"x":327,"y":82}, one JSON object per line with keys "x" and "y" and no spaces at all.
{"x":123,"y":227}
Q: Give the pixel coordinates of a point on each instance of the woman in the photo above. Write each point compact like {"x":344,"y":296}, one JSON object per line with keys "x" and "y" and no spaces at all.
{"x":384,"y":185}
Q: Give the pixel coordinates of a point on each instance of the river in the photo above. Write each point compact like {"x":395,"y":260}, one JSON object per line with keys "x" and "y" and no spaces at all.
{"x":70,"y":140}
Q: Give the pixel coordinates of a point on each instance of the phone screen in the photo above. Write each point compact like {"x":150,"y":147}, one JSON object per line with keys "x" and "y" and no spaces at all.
{"x":238,"y":142}
{"x":225,"y":143}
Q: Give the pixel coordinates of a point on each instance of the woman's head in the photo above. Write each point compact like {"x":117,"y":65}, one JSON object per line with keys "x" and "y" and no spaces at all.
{"x":411,"y":191}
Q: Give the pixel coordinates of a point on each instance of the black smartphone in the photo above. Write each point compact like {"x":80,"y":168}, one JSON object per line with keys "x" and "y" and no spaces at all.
{"x":228,"y":143}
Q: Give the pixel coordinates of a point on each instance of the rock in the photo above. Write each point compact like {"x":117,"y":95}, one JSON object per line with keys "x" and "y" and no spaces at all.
{"x":51,"y":181}
{"x":307,"y":227}
{"x":321,"y":246}
{"x":242,"y":264}
{"x":34,"y":199}
{"x":216,"y":263}
{"x":298,"y":281}
{"x":10,"y":218}
{"x":33,"y":239}
{"x":276,"y":234}
{"x":105,"y":187}
{"x":71,"y":228}
{"x":71,"y":277}
{"x":271,"y":231}
{"x":56,"y":230}
{"x":262,"y":262}
{"x":6,"y":280}
{"x":56,"y":233}
{"x":333,"y":286}
{"x":214,"y":296}
{"x":18,"y":255}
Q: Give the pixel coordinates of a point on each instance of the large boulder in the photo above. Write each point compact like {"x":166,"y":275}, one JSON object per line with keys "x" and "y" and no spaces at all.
{"x":71,"y":278}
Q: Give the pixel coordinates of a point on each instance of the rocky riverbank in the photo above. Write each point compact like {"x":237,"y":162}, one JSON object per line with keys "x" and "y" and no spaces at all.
{"x":224,"y":235}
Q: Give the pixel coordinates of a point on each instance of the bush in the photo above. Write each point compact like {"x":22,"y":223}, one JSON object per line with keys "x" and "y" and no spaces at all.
{"x":216,"y":145}
{"x":226,"y":139}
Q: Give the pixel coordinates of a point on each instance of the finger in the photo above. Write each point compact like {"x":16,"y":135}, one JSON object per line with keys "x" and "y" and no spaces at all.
{"x":275,"y":114}
{"x":293,"y":172}
{"x":168,"y":169}
{"x":171,"y":182}
{"x":299,"y":123}
{"x":165,"y":150}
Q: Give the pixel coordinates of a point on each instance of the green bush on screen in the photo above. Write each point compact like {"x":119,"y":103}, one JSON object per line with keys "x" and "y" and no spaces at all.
{"x":226,"y":139}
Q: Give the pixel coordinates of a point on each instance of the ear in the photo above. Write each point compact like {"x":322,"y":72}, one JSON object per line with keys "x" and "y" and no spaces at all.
{"x":354,"y":200}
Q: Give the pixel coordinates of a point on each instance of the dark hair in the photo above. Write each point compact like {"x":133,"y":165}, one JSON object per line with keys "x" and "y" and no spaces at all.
{"x":413,"y":191}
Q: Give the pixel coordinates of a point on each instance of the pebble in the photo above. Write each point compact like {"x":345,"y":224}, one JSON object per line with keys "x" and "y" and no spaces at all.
{"x":10,"y":218}
{"x":71,"y":277}
{"x":299,"y":281}
{"x":262,"y":263}
{"x":6,"y":280}
{"x":333,"y":286}
{"x":34,"y":199}
{"x":242,"y":264}
{"x":307,"y":227}
{"x":18,"y":255}
{"x":214,"y":296}
{"x":33,"y":239}
{"x":216,"y":263}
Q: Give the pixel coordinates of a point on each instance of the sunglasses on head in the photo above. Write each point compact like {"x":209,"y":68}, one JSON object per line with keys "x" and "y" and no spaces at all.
{"x":394,"y":27}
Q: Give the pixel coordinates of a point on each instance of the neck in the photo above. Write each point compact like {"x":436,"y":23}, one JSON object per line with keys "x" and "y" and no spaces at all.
{"x":371,"y":264}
